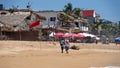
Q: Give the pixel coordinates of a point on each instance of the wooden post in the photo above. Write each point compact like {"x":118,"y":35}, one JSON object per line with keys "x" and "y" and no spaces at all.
{"x":39,"y":36}
{"x":20,"y":35}
{"x":0,"y":33}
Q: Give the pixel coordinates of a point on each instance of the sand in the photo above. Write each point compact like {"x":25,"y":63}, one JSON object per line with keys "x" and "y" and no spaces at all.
{"x":41,"y":54}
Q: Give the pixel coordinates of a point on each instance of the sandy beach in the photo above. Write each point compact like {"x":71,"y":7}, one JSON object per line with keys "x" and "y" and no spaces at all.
{"x":41,"y":54}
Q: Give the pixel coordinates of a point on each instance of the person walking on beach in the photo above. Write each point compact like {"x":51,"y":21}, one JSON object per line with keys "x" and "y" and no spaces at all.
{"x":96,"y":41}
{"x":62,"y":44}
{"x":67,"y":46}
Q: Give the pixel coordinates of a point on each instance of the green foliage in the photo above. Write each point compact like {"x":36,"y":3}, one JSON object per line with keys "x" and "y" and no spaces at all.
{"x":68,"y":8}
{"x":110,"y":28}
{"x":104,"y":26}
{"x":77,"y":12}
{"x":63,"y":18}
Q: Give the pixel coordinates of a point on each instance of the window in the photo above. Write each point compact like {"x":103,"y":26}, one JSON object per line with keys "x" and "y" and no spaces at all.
{"x":76,"y":23}
{"x":52,"y":18}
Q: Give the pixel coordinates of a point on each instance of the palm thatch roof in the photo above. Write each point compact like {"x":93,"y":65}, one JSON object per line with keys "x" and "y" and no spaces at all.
{"x":69,"y":18}
{"x":16,"y":22}
{"x":81,"y":20}
{"x":10,"y":21}
{"x":37,"y":15}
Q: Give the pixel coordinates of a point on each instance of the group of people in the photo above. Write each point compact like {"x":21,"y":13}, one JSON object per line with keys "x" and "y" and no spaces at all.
{"x":64,"y":43}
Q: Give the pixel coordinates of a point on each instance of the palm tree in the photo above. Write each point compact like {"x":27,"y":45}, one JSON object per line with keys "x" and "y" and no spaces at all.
{"x":66,"y":16}
{"x":76,"y":13}
{"x":96,"y":27}
{"x":70,"y":14}
{"x":68,"y":8}
{"x":62,"y":18}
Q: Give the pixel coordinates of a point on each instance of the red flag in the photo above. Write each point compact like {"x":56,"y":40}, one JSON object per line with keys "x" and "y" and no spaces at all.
{"x":33,"y":24}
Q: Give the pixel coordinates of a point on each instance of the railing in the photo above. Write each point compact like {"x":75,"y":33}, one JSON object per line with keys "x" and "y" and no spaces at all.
{"x":84,"y":28}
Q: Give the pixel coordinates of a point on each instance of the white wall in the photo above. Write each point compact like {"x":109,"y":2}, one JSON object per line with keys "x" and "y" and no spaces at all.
{"x":48,"y":23}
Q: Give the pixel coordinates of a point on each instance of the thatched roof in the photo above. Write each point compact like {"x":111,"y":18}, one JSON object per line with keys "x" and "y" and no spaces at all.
{"x":70,"y":18}
{"x":15,"y":22}
{"x":81,"y":20}
{"x":10,"y":21}
{"x":37,"y":15}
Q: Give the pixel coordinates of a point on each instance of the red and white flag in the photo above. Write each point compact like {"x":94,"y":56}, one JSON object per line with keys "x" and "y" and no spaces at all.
{"x":33,"y":24}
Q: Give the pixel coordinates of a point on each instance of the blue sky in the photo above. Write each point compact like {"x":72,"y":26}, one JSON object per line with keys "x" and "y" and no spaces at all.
{"x":108,"y":9}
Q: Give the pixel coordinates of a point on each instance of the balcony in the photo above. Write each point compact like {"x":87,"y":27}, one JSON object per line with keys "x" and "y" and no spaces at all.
{"x":81,"y":28}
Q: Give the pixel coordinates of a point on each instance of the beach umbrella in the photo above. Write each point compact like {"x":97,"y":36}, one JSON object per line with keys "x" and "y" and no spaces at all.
{"x":75,"y":35}
{"x":52,"y":34}
{"x":78,"y":35}
{"x":59,"y":34}
{"x":81,"y":36}
{"x":85,"y":34}
{"x":117,"y":39}
{"x":90,"y":35}
{"x":97,"y":38}
{"x":67,"y":35}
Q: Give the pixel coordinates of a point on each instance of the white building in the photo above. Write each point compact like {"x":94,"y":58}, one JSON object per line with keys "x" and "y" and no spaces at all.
{"x":51,"y":19}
